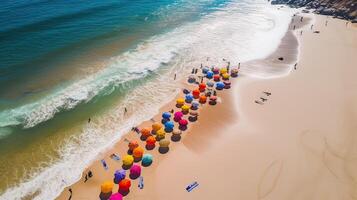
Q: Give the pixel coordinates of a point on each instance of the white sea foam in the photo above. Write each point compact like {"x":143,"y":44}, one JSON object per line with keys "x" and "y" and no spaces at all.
{"x":238,"y":32}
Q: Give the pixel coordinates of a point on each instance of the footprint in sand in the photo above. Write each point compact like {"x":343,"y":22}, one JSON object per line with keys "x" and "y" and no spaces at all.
{"x":269,"y":179}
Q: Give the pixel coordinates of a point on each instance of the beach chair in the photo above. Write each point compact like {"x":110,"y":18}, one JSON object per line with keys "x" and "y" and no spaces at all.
{"x":141,"y":182}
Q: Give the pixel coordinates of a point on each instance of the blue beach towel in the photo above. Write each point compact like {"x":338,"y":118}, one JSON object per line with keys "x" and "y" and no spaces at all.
{"x":192,"y":186}
{"x":104,"y":164}
{"x":141,"y":182}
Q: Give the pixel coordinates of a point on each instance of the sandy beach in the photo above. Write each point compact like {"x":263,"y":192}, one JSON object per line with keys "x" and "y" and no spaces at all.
{"x":299,"y":144}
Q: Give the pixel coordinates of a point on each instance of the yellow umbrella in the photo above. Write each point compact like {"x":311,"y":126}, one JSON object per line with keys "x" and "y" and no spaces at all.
{"x":128,"y":160}
{"x":225,"y":76}
{"x":185,"y":108}
{"x":107,"y":187}
{"x":160,"y":134}
{"x":180,"y":101}
{"x":223,"y":70}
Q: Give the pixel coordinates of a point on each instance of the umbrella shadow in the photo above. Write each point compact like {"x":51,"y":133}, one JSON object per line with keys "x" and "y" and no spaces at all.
{"x":104,"y":196}
{"x":163,"y":150}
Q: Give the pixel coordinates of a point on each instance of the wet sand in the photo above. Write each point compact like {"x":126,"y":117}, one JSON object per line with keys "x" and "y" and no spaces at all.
{"x":299,"y":145}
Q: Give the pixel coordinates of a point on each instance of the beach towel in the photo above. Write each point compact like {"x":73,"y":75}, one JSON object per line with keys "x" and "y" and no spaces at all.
{"x":105,"y":166}
{"x":192,"y":186}
{"x":115,"y":157}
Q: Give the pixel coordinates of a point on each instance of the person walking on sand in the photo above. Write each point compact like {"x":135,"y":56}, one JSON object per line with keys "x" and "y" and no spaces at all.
{"x":326,"y":23}
{"x":238,"y":65}
{"x":193,"y":71}
{"x":125,"y":110}
{"x":70,"y":193}
{"x":295,"y":66}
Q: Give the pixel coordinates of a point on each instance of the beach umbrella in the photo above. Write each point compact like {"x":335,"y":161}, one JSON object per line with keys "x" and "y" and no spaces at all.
{"x":196,"y":93}
{"x":135,"y":170}
{"x":145,"y":132}
{"x":156,"y":126}
{"x":160,"y":134}
{"x":220,"y":85}
{"x":203,"y":99}
{"x":191,"y":78}
{"x":132,"y":145}
{"x":150,"y":141}
{"x":180,"y":102}
{"x":212,"y":100}
{"x":194,"y":105}
{"x":107,"y":187}
{"x":124,"y":184}
{"x":210,"y":84}
{"x":209,"y":74}
{"x":227,"y":84}
{"x":225,"y":76}
{"x":205,"y":70}
{"x":215,"y":70}
{"x":128,"y":160}
{"x":202,"y":87}
{"x":119,"y":175}
{"x":138,"y":152}
{"x":234,"y":72}
{"x":164,"y":143}
{"x":166,"y":115}
{"x":193,"y":116}
{"x":189,"y":98}
{"x":223,"y":70}
{"x":216,"y":78}
{"x":169,"y":125}
{"x":116,"y":196}
{"x":185,"y":109}
{"x":147,"y":160}
{"x":176,"y":132}
{"x":186,"y":91}
{"x":178,"y":115}
{"x":183,"y":122}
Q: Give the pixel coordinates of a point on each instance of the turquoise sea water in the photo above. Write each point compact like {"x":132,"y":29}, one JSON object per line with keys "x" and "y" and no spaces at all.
{"x":62,"y":62}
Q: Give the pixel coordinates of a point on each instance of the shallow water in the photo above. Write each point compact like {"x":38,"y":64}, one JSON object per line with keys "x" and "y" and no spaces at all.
{"x":61,"y":65}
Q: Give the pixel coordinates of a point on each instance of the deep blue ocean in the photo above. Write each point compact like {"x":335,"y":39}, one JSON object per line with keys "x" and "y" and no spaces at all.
{"x":63,"y":62}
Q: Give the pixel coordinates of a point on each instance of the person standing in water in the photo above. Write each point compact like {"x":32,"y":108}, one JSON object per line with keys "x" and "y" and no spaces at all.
{"x":295,"y":66}
{"x":175,"y":77}
{"x":89,"y":120}
{"x":125,"y":110}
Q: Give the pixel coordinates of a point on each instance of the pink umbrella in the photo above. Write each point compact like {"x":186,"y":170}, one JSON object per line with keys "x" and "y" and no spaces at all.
{"x":183,"y":122}
{"x":135,"y":171}
{"x":116,"y":196}
{"x":178,"y":114}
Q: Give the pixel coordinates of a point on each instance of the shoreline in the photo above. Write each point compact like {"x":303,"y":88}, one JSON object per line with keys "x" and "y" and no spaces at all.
{"x":188,"y":140}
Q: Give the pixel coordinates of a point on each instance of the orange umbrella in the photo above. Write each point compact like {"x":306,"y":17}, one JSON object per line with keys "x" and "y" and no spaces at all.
{"x":107,"y":187}
{"x":138,"y":152}
{"x":203,"y":99}
{"x":150,"y":141}
{"x":145,"y":132}
{"x":156,"y":126}
{"x":132,"y":145}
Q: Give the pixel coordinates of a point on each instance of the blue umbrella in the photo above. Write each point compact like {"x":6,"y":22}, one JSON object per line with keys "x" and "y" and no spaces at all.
{"x":205,"y":70}
{"x":146,"y":160}
{"x":219,"y":86}
{"x":169,"y":125}
{"x":189,"y":98}
{"x":166,"y":115}
{"x":209,"y":74}
{"x":119,"y":175}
